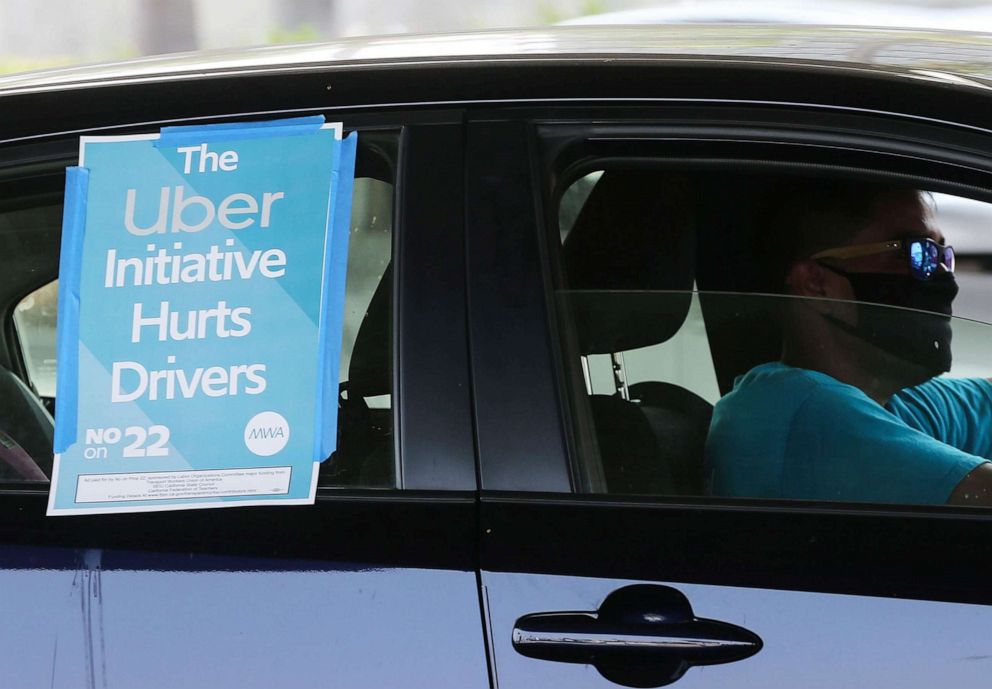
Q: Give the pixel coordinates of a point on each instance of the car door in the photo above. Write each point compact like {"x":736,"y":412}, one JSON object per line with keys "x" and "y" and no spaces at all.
{"x":375,"y":584}
{"x":621,"y":570}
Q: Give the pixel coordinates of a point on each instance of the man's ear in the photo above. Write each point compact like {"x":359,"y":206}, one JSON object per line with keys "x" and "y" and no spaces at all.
{"x":806,"y":279}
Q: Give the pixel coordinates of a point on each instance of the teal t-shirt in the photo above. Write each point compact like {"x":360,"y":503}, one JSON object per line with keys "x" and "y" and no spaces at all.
{"x":792,"y":433}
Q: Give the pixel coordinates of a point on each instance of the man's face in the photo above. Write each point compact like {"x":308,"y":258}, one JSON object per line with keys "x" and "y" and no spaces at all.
{"x":906,"y":345}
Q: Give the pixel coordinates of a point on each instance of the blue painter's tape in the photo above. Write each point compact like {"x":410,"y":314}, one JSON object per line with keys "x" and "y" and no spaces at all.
{"x":67,"y":326}
{"x":173,"y":137}
{"x":332,"y":309}
{"x":325,"y":388}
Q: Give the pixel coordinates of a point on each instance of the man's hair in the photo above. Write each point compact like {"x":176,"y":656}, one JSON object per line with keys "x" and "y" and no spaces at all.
{"x":805,"y":216}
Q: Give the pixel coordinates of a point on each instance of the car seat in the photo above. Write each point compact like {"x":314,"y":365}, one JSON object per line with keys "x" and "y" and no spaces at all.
{"x":629,"y":267}
{"x":365,"y":437}
{"x":27,"y":426}
{"x":743,"y":327}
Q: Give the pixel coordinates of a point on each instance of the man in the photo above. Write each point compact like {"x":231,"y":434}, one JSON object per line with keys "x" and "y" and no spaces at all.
{"x":854,"y":410}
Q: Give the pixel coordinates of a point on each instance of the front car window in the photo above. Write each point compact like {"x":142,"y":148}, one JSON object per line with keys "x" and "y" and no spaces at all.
{"x":707,"y":355}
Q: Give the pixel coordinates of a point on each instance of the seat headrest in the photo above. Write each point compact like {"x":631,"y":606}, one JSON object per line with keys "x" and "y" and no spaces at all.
{"x":635,"y":236}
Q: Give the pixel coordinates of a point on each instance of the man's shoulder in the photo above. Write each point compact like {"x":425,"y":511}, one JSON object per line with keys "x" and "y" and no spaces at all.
{"x":779,"y":382}
{"x":751,"y":444}
{"x":781,"y":402}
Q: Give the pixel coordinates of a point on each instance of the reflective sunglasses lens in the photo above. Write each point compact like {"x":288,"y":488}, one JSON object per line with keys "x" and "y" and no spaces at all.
{"x":923,"y":258}
{"x":927,"y":258}
{"x":917,"y":256}
{"x":949,"y":259}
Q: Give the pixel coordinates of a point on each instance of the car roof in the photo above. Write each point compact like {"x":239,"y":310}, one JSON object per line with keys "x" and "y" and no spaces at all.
{"x":958,"y":58}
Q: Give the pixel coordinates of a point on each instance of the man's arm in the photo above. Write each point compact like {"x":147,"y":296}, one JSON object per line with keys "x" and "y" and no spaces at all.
{"x":975,"y":489}
{"x":956,"y":411}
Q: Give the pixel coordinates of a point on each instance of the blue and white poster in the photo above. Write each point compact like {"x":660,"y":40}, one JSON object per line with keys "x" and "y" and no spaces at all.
{"x":201,"y":289}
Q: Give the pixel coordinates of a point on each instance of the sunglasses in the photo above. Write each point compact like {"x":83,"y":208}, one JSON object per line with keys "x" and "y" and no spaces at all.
{"x":926,"y":257}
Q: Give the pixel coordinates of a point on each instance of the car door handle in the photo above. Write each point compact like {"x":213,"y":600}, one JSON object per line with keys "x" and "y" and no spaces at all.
{"x":642,"y":636}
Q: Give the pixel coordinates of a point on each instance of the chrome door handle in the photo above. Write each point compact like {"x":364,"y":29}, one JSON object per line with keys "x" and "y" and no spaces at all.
{"x":641,"y":636}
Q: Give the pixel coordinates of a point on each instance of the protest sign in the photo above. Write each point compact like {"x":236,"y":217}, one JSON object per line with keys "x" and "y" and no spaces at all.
{"x":201,"y":291}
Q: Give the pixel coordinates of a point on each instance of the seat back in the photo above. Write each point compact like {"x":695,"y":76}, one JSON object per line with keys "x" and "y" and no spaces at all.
{"x":633,"y":239}
{"x":26,"y":422}
{"x":743,"y":332}
{"x":365,"y":448}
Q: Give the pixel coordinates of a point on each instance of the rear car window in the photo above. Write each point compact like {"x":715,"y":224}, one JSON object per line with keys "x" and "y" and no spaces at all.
{"x":365,"y":454}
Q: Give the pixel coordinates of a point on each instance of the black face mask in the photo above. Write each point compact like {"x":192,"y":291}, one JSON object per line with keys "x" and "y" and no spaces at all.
{"x":920,"y":338}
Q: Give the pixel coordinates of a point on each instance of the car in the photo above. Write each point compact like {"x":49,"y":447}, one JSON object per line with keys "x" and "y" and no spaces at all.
{"x":553,"y":277}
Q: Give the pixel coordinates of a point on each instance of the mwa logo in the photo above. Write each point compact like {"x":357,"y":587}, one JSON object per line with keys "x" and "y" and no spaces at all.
{"x":266,"y":433}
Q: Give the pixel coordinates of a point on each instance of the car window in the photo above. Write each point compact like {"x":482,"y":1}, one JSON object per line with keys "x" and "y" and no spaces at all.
{"x":364,"y":456}
{"x":759,"y":336}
